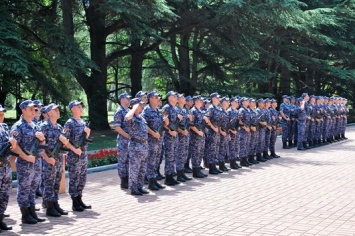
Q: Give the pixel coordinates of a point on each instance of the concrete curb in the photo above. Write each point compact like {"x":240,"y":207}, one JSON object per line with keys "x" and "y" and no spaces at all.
{"x":89,"y":171}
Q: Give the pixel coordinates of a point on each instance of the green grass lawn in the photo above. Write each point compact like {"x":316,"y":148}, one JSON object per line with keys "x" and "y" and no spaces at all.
{"x":104,"y":139}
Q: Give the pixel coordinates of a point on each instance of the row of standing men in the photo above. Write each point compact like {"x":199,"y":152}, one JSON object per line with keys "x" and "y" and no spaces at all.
{"x":186,"y":130}
{"x":40,"y":147}
{"x":319,"y":121}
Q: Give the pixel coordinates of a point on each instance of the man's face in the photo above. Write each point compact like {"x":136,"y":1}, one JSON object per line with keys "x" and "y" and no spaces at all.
{"x":252,"y":105}
{"x":189,"y":103}
{"x":54,"y":113}
{"x":182,"y":100}
{"x":154,"y":101}
{"x":172,"y":100}
{"x":29,"y":112}
{"x":144,"y":98}
{"x":125,"y":102}
{"x":78,"y":109}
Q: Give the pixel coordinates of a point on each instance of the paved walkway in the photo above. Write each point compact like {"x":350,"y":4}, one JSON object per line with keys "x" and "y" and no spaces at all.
{"x":302,"y":193}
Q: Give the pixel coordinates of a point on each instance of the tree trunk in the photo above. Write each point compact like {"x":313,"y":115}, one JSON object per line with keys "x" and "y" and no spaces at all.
{"x":184,"y":66}
{"x":136,"y":67}
{"x":95,"y":88}
{"x":285,"y":81}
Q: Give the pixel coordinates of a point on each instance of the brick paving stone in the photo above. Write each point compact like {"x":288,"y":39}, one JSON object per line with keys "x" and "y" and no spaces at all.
{"x":302,"y":193}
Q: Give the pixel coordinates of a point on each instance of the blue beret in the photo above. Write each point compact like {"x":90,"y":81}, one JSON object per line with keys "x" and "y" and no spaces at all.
{"x":267,"y":100}
{"x":214,"y":95}
{"x":74,"y":103}
{"x":152,"y":94}
{"x":43,"y":109}
{"x":170,"y":93}
{"x":251,"y":100}
{"x":51,"y":107}
{"x":304,"y":94}
{"x":188,"y":98}
{"x":224,"y":99}
{"x":140,"y":94}
{"x":26,"y":103}
{"x":312,"y":96}
{"x":206,"y":101}
{"x":292,"y":98}
{"x":243,"y":99}
{"x":285,"y":96}
{"x":260,"y":100}
{"x":180,"y":95}
{"x":2,"y":108}
{"x":198,"y":97}
{"x":135,"y":101}
{"x":273,"y":100}
{"x":233,"y":99}
{"x":237,"y":97}
{"x":124,"y":95}
{"x":37,"y":103}
{"x":299,"y":99}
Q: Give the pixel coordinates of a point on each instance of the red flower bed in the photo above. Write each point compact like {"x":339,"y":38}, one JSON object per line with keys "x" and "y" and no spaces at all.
{"x":102,"y":157}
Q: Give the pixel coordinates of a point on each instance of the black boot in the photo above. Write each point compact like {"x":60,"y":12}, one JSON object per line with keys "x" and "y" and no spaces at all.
{"x":184,"y":176}
{"x":216,"y":169}
{"x":168,"y":180}
{"x":26,"y":216}
{"x":34,"y":214}
{"x":152,"y":185}
{"x":305,"y":145}
{"x":213,"y":169}
{"x":145,"y":180}
{"x":345,"y":138}
{"x":252,"y":160}
{"x":243,"y":162}
{"x":159,"y":176}
{"x":143,"y":191}
{"x":6,"y":215}
{"x":124,"y":182}
{"x":44,"y":204}
{"x":76,"y":205}
{"x":51,"y":211}
{"x":233,"y":165}
{"x":196,"y":173}
{"x":290,"y":145}
{"x":266,"y":156}
{"x":3,"y":226}
{"x":301,"y":148}
{"x":59,"y":209}
{"x":82,"y":204}
{"x":285,"y":146}
{"x":179,"y":176}
{"x":222,"y":166}
{"x":260,"y":158}
{"x":187,"y":168}
{"x":274,"y":155}
{"x":136,"y":192}
{"x":205,"y":163}
{"x":158,"y":184}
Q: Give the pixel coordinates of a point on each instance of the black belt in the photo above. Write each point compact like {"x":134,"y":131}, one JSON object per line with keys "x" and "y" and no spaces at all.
{"x":141,"y":141}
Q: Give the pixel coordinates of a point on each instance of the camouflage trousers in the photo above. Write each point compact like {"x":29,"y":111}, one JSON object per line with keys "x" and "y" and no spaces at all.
{"x":170,"y":148}
{"x":286,"y":129}
{"x":293,"y":130}
{"x":122,"y":158}
{"x":212,"y":146}
{"x":253,"y":142}
{"x":261,"y":140}
{"x":138,"y":154}
{"x":154,"y":155}
{"x":318,"y":133}
{"x":311,"y":131}
{"x":267,"y":140}
{"x":28,"y":177}
{"x":5,"y":187}
{"x":273,"y":137}
{"x":182,"y":151}
{"x":244,"y":142}
{"x":223,"y":146}
{"x":196,"y":150}
{"x":77,"y":169}
{"x":301,"y":128}
{"x":52,"y":177}
{"x":234,"y":146}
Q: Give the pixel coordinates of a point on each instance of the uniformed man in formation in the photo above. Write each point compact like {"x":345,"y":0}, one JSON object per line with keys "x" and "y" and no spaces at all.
{"x":312,"y":121}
